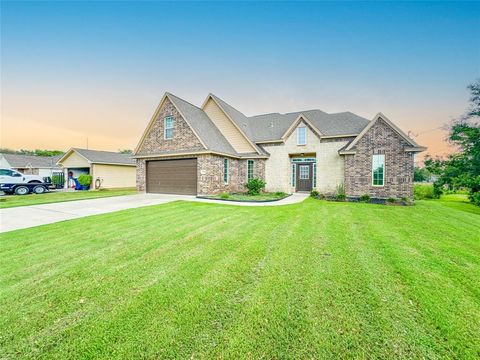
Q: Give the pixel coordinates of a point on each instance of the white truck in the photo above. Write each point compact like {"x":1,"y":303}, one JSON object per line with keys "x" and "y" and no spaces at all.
{"x":14,"y":182}
{"x":9,"y":176}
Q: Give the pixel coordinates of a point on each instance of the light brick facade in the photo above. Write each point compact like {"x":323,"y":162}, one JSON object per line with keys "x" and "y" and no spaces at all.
{"x":330,"y":165}
{"x":399,"y":164}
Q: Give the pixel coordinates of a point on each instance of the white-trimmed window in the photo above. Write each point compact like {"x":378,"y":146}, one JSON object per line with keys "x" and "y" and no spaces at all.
{"x":225,"y":171}
{"x":302,"y":135}
{"x":250,"y":164}
{"x":378,"y":170}
{"x":168,"y":128}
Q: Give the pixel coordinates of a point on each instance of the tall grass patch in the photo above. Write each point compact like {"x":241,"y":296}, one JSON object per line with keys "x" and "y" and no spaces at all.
{"x":423,"y":191}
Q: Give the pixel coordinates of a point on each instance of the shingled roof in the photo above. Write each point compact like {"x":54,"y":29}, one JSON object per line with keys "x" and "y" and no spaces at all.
{"x":102,"y":157}
{"x":18,"y":161}
{"x":203,"y":126}
{"x":260,"y":128}
{"x":271,"y":127}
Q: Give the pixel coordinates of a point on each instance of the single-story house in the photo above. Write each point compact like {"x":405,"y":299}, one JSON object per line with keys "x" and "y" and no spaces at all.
{"x":108,"y":169}
{"x":31,"y":164}
{"x":215,"y":148}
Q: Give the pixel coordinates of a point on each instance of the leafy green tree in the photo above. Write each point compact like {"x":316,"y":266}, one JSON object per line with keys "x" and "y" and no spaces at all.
{"x":462,"y":169}
{"x":36,"y":152}
{"x":421,"y":175}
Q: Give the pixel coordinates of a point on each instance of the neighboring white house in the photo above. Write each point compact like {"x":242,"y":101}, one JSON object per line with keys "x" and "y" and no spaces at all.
{"x":31,"y":164}
{"x":108,"y":169}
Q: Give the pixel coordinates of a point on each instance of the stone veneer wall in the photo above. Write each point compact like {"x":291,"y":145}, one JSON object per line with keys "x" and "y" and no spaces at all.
{"x":399,"y":165}
{"x":210,"y":174}
{"x":183,"y":136}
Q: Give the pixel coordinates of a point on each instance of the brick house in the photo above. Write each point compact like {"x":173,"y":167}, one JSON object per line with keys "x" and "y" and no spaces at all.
{"x":215,"y":148}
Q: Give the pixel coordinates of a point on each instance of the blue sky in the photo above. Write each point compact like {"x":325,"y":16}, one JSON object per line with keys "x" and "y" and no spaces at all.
{"x":97,"y":69}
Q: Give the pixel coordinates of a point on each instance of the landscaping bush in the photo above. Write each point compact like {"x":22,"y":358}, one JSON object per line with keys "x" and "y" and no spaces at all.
{"x":85,"y":180}
{"x":255,"y":186}
{"x":365,"y":198}
{"x":224,"y":195}
{"x":280,"y":194}
{"x":475,"y":198}
{"x":424,"y":191}
{"x":391,"y":200}
{"x":57,"y":180}
{"x":314,"y":194}
{"x":340,"y":193}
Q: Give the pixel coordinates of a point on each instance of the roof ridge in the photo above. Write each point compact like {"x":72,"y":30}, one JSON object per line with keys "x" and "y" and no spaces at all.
{"x":112,"y":152}
{"x":188,"y":102}
{"x":233,"y":107}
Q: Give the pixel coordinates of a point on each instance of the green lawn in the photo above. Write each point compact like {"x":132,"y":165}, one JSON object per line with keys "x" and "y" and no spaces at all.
{"x":59,"y":196}
{"x":196,"y":280}
{"x":247,"y":197}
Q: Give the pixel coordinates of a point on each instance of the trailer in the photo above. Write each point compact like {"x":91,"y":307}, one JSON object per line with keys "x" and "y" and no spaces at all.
{"x":24,"y":189}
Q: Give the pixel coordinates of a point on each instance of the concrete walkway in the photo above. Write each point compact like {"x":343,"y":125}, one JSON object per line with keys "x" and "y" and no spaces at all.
{"x":28,"y":216}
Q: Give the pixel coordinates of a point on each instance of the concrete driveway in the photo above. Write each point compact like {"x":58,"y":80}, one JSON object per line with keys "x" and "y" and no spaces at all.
{"x":28,"y":216}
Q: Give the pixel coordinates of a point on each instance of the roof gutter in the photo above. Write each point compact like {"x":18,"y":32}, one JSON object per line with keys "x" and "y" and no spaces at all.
{"x":193,"y":153}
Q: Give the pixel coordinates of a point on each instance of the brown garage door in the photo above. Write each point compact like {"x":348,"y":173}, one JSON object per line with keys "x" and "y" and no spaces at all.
{"x":172,"y":176}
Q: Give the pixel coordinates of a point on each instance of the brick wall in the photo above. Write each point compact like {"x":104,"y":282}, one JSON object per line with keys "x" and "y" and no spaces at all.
{"x":210,"y":174}
{"x":399,"y":165}
{"x":141,"y":175}
{"x":183,"y":136}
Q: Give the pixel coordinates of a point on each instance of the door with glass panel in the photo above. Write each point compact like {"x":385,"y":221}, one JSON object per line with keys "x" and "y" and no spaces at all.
{"x":304,"y":176}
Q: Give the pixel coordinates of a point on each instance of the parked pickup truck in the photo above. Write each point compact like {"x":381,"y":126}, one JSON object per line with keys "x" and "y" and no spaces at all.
{"x":14,"y":182}
{"x":14,"y":177}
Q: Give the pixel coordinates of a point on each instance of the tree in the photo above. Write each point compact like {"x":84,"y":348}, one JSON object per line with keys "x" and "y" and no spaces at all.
{"x":421,"y":174}
{"x":125,"y":151}
{"x":36,"y":152}
{"x":462,"y":169}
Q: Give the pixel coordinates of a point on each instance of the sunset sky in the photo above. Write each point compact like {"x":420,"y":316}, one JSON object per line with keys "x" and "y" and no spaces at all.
{"x":72,"y":71}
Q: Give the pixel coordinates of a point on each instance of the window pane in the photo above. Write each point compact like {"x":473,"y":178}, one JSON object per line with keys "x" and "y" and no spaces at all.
{"x":250,"y":169}
{"x":168,"y":133}
{"x":378,"y":166}
{"x":301,"y":136}
{"x":304,"y":172}
{"x":294,"y":174}
{"x":225,"y":171}
{"x":169,"y":122}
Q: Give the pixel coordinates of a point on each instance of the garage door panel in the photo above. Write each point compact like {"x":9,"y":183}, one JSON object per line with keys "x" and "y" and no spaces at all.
{"x":172,"y":176}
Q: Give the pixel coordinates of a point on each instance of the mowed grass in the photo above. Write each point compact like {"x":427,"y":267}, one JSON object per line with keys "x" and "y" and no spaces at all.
{"x":8,"y":201}
{"x":194,"y":280}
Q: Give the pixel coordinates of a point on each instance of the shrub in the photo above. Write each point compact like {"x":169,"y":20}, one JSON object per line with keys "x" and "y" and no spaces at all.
{"x":314,"y":194}
{"x":364,"y":198}
{"x":424,"y":191}
{"x":255,"y":186}
{"x":340,"y":193}
{"x":475,"y":198}
{"x":224,"y":195}
{"x":391,"y":200}
{"x":280,"y":194}
{"x":85,"y":179}
{"x":57,"y":180}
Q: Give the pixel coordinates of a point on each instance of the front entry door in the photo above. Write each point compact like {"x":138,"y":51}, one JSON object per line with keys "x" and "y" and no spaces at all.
{"x":304,"y":177}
